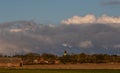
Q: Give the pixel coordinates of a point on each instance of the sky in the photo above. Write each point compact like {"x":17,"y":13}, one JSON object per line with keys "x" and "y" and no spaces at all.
{"x":54,"y":11}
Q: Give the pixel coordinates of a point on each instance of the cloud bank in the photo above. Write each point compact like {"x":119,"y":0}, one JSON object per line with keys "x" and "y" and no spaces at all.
{"x":90,"y":19}
{"x":22,"y":37}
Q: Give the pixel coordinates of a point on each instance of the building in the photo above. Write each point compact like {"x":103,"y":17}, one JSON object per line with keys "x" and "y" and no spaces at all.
{"x":11,"y":62}
{"x":41,"y":60}
{"x":57,"y":61}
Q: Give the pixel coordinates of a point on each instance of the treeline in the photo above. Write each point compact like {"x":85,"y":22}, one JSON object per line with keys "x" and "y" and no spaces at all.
{"x":34,"y":58}
{"x":85,"y":58}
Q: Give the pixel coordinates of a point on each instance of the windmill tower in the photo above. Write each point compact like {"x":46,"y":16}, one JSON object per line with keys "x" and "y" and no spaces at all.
{"x":65,"y":53}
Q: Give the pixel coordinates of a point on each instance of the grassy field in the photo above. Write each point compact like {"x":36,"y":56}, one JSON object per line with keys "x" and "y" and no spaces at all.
{"x":59,"y":71}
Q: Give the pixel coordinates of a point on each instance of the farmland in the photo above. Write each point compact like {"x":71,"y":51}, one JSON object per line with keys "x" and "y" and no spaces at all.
{"x":75,"y":66}
{"x":64,"y":68}
{"x":59,"y":71}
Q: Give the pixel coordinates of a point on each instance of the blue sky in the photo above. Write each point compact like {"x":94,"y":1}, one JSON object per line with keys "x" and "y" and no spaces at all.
{"x":53,"y":11}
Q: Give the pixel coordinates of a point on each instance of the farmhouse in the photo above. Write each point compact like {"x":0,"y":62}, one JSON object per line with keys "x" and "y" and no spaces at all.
{"x":11,"y":62}
{"x":41,"y":60}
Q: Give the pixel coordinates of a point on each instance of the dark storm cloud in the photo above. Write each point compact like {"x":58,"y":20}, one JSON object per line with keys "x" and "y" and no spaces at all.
{"x":27,"y":36}
{"x":111,"y":2}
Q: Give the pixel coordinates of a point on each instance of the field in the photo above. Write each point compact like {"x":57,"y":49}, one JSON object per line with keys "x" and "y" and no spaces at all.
{"x":75,"y":66}
{"x":59,"y":71}
{"x":69,"y":68}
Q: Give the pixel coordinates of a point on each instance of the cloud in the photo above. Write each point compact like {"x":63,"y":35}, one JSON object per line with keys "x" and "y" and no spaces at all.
{"x":111,"y":2}
{"x":55,"y":39}
{"x":80,"y":20}
{"x":86,"y":44}
{"x":89,"y":19}
{"x":51,"y":25}
{"x":7,"y":48}
{"x":117,"y":46}
{"x":108,"y":19}
{"x":66,"y":45}
{"x":15,"y":30}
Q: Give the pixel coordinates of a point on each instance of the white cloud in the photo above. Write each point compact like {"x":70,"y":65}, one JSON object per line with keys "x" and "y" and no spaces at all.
{"x":15,"y":30}
{"x":80,"y":20}
{"x":18,"y":30}
{"x":91,"y":19}
{"x":66,"y":45}
{"x":108,"y":19}
{"x":85,"y":44}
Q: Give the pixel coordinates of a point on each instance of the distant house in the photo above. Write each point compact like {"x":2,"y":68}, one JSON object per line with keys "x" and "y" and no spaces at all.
{"x":11,"y":62}
{"x":57,"y":61}
{"x":43,"y":61}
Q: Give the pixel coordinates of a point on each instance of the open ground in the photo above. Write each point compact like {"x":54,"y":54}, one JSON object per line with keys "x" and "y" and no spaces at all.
{"x":64,"y":68}
{"x":74,"y":66}
{"x":71,"y":66}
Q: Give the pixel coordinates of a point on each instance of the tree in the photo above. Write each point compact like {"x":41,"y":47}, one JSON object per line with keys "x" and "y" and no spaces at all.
{"x":82,"y":58}
{"x":30,"y":57}
{"x":65,"y":59}
{"x":49,"y":56}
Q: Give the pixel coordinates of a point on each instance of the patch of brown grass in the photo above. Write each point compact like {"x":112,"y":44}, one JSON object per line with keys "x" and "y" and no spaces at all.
{"x":75,"y":66}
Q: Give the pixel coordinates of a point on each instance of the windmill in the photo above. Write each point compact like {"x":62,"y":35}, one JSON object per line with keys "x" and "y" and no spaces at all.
{"x":67,"y":48}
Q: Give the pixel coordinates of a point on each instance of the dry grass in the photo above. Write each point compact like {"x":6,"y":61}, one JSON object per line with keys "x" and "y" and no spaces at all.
{"x":74,"y":66}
